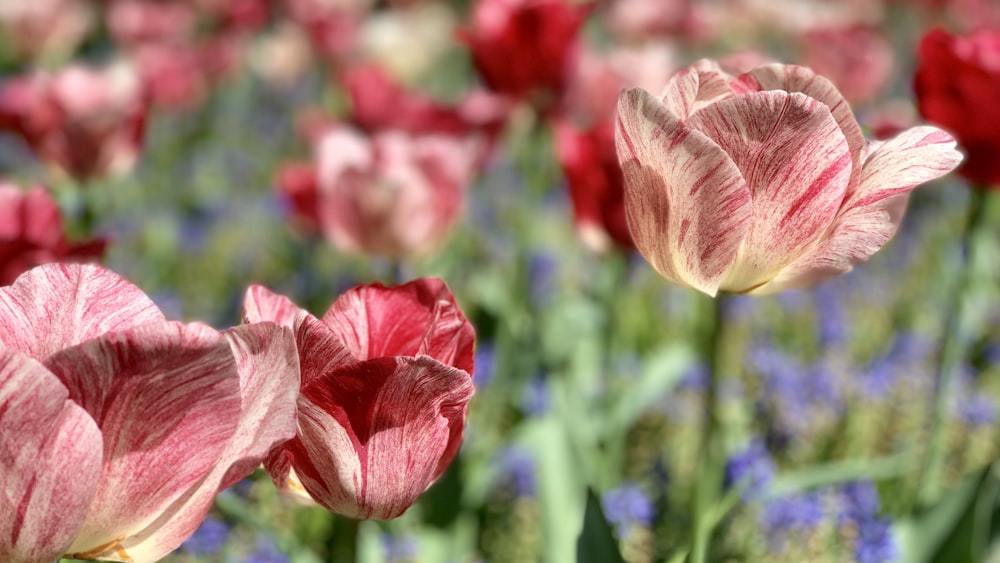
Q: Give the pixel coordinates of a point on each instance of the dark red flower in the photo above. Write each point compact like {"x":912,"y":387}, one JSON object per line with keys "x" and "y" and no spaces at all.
{"x":524,"y":48}
{"x":957,"y":87}
{"x":596,"y":185}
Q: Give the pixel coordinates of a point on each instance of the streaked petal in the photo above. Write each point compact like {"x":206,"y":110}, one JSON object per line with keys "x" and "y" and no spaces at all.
{"x":56,"y":306}
{"x":419,"y":317}
{"x":687,"y":204}
{"x":797,"y":164}
{"x":869,"y":219}
{"x":374,"y":435}
{"x":50,"y":460}
{"x":167,"y":400}
{"x":269,"y":386}
{"x":695,"y":87}
{"x":792,"y":78}
{"x":262,"y":304}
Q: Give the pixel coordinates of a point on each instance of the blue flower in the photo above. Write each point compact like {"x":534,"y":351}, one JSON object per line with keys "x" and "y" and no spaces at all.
{"x":536,"y":397}
{"x":208,"y":539}
{"x":399,"y":549}
{"x":517,"y":471}
{"x":752,"y":469}
{"x":485,"y":364}
{"x":875,"y":542}
{"x":627,"y":507}
{"x":977,"y":411}
{"x":831,"y":323}
{"x":266,"y":552}
{"x":793,"y":514}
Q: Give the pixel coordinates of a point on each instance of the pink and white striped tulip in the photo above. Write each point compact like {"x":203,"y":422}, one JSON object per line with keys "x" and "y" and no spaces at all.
{"x":763,"y":182}
{"x":119,"y":427}
{"x":386,"y":382}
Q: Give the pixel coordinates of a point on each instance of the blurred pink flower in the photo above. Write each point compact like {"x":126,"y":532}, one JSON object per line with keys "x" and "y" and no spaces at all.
{"x":525,"y":48}
{"x":136,"y":22}
{"x":120,"y":427}
{"x":386,"y":382}
{"x":639,"y":20}
{"x":38,"y":29}
{"x":31,"y":233}
{"x":332,"y":25}
{"x":858,"y":60}
{"x":763,"y":182}
{"x":390,"y":193}
{"x":88,"y":121}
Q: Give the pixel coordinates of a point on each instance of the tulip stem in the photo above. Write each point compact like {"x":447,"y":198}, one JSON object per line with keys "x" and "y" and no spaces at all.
{"x":708,"y":487}
{"x":343,"y":544}
{"x":953,"y":347}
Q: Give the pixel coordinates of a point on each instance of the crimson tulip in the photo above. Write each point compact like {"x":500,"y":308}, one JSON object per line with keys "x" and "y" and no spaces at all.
{"x":386,"y":382}
{"x":763,"y":182}
{"x":119,"y":427}
{"x":31,"y":233}
{"x":957,"y":85}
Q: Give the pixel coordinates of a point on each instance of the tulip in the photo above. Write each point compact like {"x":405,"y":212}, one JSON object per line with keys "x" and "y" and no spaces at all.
{"x":119,"y":426}
{"x":89,"y":122}
{"x":39,"y":29}
{"x":858,"y":60}
{"x":540,"y":35}
{"x":763,"y":182}
{"x":957,"y":86}
{"x":386,"y":381}
{"x":31,"y":233}
{"x":391,"y":193}
{"x":595,"y":185}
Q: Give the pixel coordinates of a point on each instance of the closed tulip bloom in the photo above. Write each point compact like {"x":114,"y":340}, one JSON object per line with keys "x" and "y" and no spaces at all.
{"x":763,"y":182}
{"x":957,"y":86}
{"x":119,"y":427}
{"x":386,"y":382}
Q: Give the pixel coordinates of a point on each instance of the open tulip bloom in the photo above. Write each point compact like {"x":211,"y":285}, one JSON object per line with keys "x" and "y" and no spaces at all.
{"x":118,"y":427}
{"x":386,"y":382}
{"x":763,"y":182}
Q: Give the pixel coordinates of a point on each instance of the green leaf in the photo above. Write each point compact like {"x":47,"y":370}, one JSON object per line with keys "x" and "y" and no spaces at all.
{"x":596,"y":543}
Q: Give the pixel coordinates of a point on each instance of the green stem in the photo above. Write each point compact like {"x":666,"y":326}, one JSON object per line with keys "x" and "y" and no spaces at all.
{"x":708,"y":488}
{"x":953,"y":348}
{"x":343,"y":544}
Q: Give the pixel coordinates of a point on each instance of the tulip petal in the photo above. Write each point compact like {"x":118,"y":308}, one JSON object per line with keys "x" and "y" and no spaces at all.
{"x":792,"y":78}
{"x":695,"y":87}
{"x":871,"y":216}
{"x":375,"y":434}
{"x":797,"y":165}
{"x":56,"y":306}
{"x":688,"y":206}
{"x":261,"y":304}
{"x":50,"y":460}
{"x":419,"y":317}
{"x":269,"y":381}
{"x":167,"y":400}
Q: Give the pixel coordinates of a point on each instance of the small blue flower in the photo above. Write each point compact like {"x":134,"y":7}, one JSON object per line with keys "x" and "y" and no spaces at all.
{"x":399,"y":549}
{"x":752,"y":469}
{"x":876,"y":543}
{"x":536,"y":397}
{"x":793,"y":514}
{"x":266,"y":552}
{"x":518,"y":471}
{"x":208,"y":539}
{"x":627,"y":507}
{"x":977,"y":411}
{"x":831,"y":322}
{"x":543,"y":268}
{"x":485,"y":363}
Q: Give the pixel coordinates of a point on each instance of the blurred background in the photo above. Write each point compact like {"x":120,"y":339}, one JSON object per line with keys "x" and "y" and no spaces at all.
{"x":199,"y":146}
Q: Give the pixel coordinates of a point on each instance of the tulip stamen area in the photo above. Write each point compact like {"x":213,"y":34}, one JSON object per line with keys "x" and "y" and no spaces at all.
{"x":100,"y":552}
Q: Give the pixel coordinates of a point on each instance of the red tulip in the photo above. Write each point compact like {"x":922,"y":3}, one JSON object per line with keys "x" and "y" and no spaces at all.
{"x":957,"y":87}
{"x":386,"y":382}
{"x":31,"y":233}
{"x":119,"y":426}
{"x":763,"y":182}
{"x":89,"y":122}
{"x":596,"y":187}
{"x":524,"y":48}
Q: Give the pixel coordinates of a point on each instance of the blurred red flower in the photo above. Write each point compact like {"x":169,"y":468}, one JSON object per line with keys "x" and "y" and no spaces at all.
{"x":524,"y":48}
{"x":596,"y":184}
{"x":31,"y":233}
{"x":857,"y":59}
{"x":386,"y":382}
{"x":957,"y":85}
